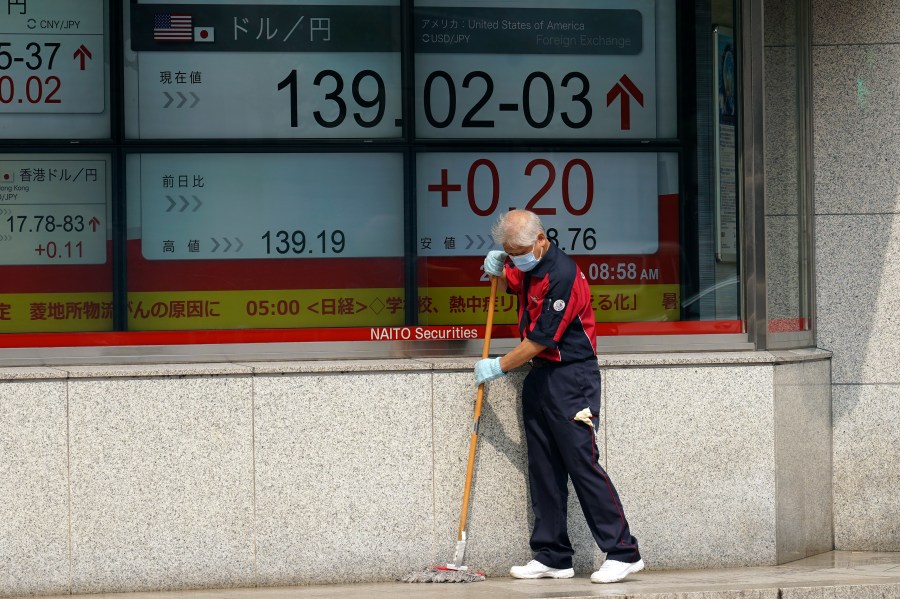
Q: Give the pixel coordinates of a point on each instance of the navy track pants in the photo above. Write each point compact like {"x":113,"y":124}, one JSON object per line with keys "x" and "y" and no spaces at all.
{"x":560,"y":447}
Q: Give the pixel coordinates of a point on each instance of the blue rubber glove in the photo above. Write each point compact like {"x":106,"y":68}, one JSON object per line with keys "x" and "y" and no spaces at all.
{"x":488,"y":369}
{"x":493,"y":263}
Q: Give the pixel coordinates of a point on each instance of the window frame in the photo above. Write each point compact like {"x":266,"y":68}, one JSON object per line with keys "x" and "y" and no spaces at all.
{"x":752,"y":166}
{"x":124,"y":346}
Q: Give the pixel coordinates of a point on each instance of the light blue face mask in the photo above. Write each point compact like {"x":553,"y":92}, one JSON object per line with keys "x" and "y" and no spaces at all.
{"x":526,"y":261}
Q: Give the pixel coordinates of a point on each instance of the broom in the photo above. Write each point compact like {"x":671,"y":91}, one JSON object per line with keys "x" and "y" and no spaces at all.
{"x":456,"y":571}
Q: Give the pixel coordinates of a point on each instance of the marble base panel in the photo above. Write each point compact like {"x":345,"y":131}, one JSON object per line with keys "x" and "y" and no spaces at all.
{"x":162,"y":483}
{"x":500,"y":518}
{"x":691,"y":452}
{"x":803,"y":459}
{"x":280,"y":474}
{"x":343,"y":476}
{"x":866,"y":469}
{"x":34,"y":502}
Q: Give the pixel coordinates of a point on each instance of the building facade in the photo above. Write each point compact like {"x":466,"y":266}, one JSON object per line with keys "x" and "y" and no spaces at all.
{"x":261,"y":373}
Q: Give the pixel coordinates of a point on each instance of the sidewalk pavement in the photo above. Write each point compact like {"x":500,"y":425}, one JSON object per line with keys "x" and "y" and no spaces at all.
{"x":834,"y":575}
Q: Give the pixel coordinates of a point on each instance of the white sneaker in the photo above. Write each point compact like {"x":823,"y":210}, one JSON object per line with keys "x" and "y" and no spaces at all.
{"x":535,"y":569}
{"x":614,"y":571}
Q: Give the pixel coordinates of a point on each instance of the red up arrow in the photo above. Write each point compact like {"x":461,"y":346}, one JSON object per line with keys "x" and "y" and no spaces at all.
{"x":82,"y":52}
{"x":94,"y":222}
{"x":623,"y":88}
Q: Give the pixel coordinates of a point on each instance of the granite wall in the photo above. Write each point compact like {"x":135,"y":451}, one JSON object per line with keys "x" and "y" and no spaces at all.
{"x":130,"y":478}
{"x":856,"y":78}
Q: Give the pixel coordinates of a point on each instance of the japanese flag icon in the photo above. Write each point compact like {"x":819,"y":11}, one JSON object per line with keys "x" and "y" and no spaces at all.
{"x":7,"y":176}
{"x":204,"y":34}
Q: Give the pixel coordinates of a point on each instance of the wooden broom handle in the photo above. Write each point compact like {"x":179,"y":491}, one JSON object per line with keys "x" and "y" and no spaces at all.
{"x":473,"y":441}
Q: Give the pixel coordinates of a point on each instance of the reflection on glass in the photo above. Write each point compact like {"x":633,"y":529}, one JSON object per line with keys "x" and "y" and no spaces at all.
{"x":785,"y":201}
{"x":711,"y":274}
{"x":727,"y":236}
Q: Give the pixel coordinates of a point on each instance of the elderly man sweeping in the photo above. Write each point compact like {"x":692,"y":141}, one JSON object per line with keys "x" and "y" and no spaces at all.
{"x":560,"y":401}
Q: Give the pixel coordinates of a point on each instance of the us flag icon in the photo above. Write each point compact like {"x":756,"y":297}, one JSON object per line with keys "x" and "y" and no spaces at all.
{"x":204,"y":34}
{"x":172,"y":28}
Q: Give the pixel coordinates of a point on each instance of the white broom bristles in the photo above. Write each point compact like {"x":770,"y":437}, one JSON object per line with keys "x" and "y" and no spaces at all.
{"x":436,"y":574}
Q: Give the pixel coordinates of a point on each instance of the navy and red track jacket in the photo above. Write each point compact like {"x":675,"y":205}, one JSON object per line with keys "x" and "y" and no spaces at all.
{"x":555,"y":307}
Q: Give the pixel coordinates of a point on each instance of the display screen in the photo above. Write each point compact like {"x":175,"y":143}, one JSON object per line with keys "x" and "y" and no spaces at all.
{"x":270,"y":180}
{"x":270,"y":70}
{"x":526,"y":70}
{"x":55,"y":264}
{"x":53,"y":210}
{"x":53,"y":69}
{"x":265,"y":240}
{"x":591,"y":203}
{"x":615,"y":213}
